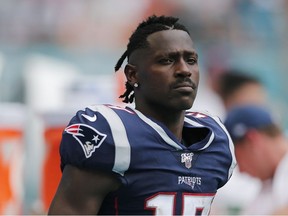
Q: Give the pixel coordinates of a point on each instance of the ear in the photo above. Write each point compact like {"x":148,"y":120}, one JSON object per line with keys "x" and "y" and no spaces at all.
{"x":131,"y":73}
{"x":255,"y":138}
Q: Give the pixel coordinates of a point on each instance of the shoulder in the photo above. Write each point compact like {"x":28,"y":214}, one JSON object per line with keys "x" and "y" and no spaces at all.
{"x":92,"y":137}
{"x":212,"y":122}
{"x":108,"y":110}
{"x":205,"y":118}
{"x":221,"y":138}
{"x":103,"y":114}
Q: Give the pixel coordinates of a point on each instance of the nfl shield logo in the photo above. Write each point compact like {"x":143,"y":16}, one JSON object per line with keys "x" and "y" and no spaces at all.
{"x":187,"y":159}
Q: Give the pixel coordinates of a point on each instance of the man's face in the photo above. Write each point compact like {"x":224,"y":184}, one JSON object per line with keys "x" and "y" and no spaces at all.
{"x":250,"y":93}
{"x":252,"y":160}
{"x":167,"y":71}
{"x":246,"y":161}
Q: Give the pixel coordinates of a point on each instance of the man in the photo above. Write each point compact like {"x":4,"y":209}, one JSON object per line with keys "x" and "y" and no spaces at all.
{"x":154,"y":158}
{"x":236,"y":87}
{"x":261,"y":150}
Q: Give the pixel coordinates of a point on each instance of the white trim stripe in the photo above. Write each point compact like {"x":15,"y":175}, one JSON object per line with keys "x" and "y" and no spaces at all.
{"x":211,"y":138}
{"x":190,"y":121}
{"x":122,"y":145}
{"x":159,"y":130}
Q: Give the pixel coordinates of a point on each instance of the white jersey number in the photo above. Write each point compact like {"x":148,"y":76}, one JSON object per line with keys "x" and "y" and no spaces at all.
{"x":193,"y":204}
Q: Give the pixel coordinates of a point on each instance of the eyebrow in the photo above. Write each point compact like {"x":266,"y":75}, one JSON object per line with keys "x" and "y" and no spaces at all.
{"x":176,"y":54}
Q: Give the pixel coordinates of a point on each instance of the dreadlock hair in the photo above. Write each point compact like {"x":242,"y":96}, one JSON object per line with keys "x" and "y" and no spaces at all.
{"x":139,"y":40}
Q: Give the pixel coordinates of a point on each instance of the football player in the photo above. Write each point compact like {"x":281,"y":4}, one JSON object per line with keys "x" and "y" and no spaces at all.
{"x":154,"y":158}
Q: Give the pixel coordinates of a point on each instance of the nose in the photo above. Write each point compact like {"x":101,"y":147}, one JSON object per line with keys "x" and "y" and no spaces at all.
{"x":182,"y":69}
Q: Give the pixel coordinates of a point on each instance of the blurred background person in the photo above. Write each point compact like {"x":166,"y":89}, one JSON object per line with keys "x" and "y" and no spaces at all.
{"x":261,"y":150}
{"x":237,"y":88}
{"x":56,"y":57}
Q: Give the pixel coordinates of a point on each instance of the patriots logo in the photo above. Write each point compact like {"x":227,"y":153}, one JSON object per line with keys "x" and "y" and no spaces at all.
{"x":88,"y":137}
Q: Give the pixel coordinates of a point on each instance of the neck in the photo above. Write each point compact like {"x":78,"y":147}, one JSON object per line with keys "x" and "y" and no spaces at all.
{"x":173,"y":120}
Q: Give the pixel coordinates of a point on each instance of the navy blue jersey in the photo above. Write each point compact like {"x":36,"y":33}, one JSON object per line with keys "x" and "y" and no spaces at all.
{"x":159,"y":174}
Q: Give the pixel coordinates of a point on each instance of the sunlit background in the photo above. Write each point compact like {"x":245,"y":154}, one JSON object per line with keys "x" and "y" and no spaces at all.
{"x":58,"y":56}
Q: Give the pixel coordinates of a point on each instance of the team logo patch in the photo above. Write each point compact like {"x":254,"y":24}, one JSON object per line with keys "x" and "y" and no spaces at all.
{"x":88,"y":137}
{"x":187,"y":158}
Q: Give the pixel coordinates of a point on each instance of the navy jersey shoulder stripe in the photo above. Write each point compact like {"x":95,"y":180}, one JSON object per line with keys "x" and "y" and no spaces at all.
{"x":119,"y":134}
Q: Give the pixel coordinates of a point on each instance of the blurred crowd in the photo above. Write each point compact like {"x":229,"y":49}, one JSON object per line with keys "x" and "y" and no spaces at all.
{"x":57,"y":56}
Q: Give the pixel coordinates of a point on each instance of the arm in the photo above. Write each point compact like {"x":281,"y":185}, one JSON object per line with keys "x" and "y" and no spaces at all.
{"x":81,"y":191}
{"x":281,"y":211}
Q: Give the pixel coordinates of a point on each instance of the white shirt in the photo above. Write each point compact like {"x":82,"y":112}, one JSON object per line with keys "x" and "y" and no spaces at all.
{"x":273,"y":194}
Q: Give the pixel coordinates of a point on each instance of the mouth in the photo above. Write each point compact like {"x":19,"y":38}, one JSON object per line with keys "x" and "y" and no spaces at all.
{"x":185,"y":87}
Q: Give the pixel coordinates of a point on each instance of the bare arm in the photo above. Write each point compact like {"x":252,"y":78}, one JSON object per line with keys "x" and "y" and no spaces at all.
{"x":81,"y":192}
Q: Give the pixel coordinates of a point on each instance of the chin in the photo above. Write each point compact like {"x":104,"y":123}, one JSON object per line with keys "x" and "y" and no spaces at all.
{"x":184,"y":105}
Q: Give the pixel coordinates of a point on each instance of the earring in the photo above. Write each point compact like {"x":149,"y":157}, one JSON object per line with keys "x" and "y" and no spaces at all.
{"x":136,"y":85}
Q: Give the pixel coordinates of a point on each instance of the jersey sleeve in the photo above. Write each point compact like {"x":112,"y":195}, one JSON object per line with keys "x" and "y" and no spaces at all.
{"x":87,"y":142}
{"x":228,"y":145}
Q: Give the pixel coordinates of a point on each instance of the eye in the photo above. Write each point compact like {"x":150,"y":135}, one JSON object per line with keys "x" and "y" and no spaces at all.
{"x":192,"y":60}
{"x":166,"y":61}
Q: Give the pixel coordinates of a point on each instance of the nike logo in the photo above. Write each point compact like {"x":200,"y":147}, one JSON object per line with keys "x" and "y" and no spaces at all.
{"x":90,"y":118}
